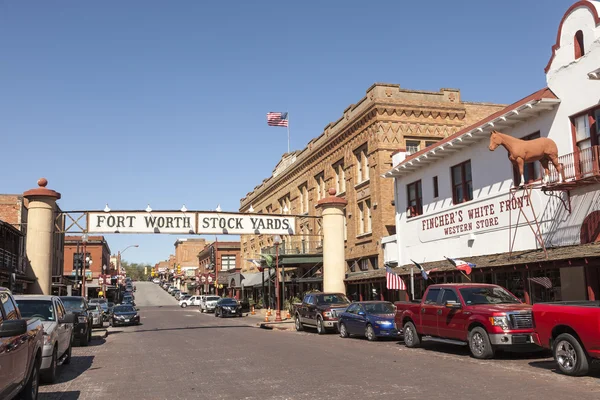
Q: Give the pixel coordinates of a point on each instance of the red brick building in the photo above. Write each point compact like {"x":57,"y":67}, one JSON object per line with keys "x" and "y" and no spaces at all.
{"x":220,"y":263}
{"x":98,"y":250}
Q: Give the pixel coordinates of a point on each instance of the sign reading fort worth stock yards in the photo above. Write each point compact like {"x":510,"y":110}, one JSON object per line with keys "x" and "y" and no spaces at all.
{"x":189,"y":223}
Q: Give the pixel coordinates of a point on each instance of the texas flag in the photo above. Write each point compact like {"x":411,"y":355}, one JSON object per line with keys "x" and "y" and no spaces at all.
{"x":462,"y":265}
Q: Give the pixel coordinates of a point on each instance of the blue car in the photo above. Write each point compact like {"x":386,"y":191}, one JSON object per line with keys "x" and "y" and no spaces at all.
{"x":373,"y":319}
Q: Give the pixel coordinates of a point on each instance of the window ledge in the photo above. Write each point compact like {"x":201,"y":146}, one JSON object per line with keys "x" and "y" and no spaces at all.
{"x":361,"y":184}
{"x":362,"y":235}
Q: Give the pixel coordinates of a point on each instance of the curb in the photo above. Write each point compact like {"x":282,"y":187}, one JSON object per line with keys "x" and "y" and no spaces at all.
{"x":100,"y":334}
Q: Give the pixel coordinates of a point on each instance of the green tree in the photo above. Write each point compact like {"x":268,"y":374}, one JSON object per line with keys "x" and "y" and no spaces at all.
{"x":136,"y":271}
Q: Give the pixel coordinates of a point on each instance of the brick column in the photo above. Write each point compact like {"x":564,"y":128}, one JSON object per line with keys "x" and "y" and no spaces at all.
{"x":40,"y":236}
{"x":334,"y":259}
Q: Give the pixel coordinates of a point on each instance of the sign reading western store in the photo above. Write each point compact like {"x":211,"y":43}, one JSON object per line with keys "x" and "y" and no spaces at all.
{"x":482,"y":216}
{"x":201,"y":223}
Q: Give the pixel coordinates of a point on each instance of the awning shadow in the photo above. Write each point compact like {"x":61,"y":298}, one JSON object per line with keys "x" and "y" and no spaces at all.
{"x":78,"y":365}
{"x":182,"y":329}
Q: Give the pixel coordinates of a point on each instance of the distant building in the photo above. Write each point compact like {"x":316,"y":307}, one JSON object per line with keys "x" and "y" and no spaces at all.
{"x":220,"y":266}
{"x":98,"y":250}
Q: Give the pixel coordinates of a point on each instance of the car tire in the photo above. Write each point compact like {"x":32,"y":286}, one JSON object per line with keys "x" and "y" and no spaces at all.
{"x":343,"y":331}
{"x":84,"y":341}
{"x":297,"y":324}
{"x":370,"y":333}
{"x":411,"y":338}
{"x":320,"y":327}
{"x":30,"y":390}
{"x":67,"y":360}
{"x":479,"y":344}
{"x":184,"y":305}
{"x":216,"y":314}
{"x":49,"y":376}
{"x":570,"y":356}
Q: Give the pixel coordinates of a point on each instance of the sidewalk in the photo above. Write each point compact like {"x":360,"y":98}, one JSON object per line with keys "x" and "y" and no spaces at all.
{"x":258,"y":320}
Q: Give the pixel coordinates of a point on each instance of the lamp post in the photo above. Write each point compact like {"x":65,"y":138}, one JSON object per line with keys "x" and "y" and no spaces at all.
{"x":277,"y":242}
{"x":104,"y":281}
{"x":119,"y":274}
{"x":86,"y":259}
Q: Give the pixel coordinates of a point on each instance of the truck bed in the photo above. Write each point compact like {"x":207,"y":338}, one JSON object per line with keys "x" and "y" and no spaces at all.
{"x":574,"y":303}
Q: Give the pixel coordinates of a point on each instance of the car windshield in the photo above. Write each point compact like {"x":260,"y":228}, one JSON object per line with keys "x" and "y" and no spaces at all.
{"x":379,"y":308}
{"x":42,"y":309}
{"x":73,"y":304}
{"x":124,"y":309}
{"x":487,"y":295}
{"x":332,"y":299}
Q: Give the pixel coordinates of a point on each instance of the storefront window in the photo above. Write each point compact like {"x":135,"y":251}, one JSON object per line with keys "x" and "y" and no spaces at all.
{"x":513,"y":281}
{"x":544,"y":285}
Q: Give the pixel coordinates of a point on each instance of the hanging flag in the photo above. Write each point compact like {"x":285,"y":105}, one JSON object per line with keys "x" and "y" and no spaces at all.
{"x":277,"y":119}
{"x":393,"y":281}
{"x":423,"y":272}
{"x":461,"y":265}
{"x":544,"y":281}
{"x":254,"y":261}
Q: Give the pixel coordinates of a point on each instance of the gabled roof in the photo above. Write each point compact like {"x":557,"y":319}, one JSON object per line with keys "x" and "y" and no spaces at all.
{"x":521,"y":110}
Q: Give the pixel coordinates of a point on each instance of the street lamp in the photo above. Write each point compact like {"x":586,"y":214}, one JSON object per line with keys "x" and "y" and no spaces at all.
{"x":104,"y":280}
{"x":123,"y":251}
{"x":86,"y":259}
{"x":277,"y":242}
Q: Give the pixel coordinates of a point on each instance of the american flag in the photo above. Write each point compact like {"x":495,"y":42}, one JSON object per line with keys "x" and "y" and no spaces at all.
{"x":277,"y":119}
{"x":393,"y":281}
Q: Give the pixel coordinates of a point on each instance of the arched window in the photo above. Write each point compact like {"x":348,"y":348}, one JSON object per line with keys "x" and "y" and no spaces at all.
{"x":578,"y":43}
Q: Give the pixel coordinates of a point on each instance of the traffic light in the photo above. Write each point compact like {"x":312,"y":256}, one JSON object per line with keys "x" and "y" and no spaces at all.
{"x":178,"y":269}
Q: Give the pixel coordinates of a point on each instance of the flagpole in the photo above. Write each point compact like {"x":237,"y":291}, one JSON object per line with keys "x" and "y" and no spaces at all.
{"x":412,"y":283}
{"x":288,"y":131}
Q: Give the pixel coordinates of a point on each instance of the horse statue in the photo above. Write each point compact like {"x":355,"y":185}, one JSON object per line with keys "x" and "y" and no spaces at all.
{"x":526,"y":151}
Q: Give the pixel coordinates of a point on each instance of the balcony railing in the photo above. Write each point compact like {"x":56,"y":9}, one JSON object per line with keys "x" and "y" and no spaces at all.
{"x":579,"y":165}
{"x":301,"y":247}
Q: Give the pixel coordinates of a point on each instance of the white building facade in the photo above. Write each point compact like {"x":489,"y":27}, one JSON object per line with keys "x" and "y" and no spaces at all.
{"x":456,"y":198}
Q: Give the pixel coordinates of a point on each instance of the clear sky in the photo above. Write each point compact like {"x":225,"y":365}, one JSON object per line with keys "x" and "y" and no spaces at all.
{"x":165,"y":102}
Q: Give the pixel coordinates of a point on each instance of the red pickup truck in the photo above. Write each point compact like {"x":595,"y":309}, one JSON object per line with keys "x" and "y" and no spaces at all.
{"x":486,"y":317}
{"x":571,"y":330}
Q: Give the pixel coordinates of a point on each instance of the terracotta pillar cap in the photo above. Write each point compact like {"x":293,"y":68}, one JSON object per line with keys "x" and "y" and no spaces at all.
{"x":42,"y":191}
{"x":332,"y":200}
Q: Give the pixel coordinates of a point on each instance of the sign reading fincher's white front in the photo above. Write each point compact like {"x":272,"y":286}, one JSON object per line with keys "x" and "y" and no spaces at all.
{"x":189,"y":223}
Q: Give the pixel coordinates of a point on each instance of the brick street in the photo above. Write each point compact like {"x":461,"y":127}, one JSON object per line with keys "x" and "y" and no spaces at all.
{"x":182,"y":354}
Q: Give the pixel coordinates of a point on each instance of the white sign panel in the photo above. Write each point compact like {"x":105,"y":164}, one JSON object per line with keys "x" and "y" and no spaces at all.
{"x":189,"y":223}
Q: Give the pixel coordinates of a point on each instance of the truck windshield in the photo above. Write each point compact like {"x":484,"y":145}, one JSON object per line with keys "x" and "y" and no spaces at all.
{"x":487,"y":295}
{"x":73,"y":304}
{"x":41,"y":309}
{"x":332,"y":299}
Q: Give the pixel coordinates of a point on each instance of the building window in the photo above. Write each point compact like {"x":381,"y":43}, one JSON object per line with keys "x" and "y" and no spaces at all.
{"x":364,"y":264}
{"x":352,"y":265}
{"x":430,"y":143}
{"x":412,"y":146}
{"x":345,"y":225}
{"x":531,"y":171}
{"x":578,"y":43}
{"x":374,"y":262}
{"x":340,"y":177}
{"x":582,"y":132}
{"x":414,"y":199}
{"x":362,"y":165}
{"x":285,"y":205}
{"x":227,"y":262}
{"x":364,"y":212}
{"x":462,"y":185}
{"x":303,"y":199}
{"x":320,"y":185}
{"x":436,"y":192}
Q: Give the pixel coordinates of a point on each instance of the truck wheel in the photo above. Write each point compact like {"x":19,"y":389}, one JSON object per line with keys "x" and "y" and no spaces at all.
{"x":479,"y":343}
{"x":67,"y":360}
{"x":320,"y":326}
{"x":411,"y":338}
{"x":30,"y":390}
{"x":49,"y":376}
{"x":370,"y":333}
{"x":343,"y":331}
{"x":298,"y":324}
{"x":570,"y":356}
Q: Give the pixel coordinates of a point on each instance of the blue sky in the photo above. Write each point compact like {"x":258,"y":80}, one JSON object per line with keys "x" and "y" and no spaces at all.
{"x":162,"y":102}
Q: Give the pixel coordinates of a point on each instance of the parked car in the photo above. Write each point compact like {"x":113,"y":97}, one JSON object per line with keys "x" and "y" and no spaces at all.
{"x":208,"y":303}
{"x":58,"y":330}
{"x":111,"y":305}
{"x":128,"y":300}
{"x":572,"y":331}
{"x":125,"y":314}
{"x":228,"y":307}
{"x":189,"y":301}
{"x":372,"y":319}
{"x":156,"y":280}
{"x":486,"y":317}
{"x":20,"y":366}
{"x":320,"y":310}
{"x":97,"y":320}
{"x":175,"y":292}
{"x":171,"y":288}
{"x":78,"y":306}
{"x":179,"y":294}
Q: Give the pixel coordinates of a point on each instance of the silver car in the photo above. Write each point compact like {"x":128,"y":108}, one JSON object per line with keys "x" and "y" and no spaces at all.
{"x":208,"y":303}
{"x":98,"y":321}
{"x":58,"y":330}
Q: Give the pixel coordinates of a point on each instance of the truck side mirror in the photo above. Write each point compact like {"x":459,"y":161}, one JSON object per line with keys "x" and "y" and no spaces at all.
{"x":13,"y":327}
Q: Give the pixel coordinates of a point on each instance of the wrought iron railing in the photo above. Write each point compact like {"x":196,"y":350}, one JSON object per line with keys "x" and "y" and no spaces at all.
{"x":578,"y":165}
{"x":300,"y":247}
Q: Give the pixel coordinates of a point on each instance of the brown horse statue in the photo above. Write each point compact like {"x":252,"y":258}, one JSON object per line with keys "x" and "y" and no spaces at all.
{"x":526,"y":151}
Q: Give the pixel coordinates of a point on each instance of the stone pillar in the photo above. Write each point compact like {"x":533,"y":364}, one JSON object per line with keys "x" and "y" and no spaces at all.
{"x":40,"y":235}
{"x":334,"y":258}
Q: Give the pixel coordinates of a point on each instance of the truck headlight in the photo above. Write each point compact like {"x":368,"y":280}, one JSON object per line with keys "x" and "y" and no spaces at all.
{"x":327,"y":314}
{"x":502,"y":322}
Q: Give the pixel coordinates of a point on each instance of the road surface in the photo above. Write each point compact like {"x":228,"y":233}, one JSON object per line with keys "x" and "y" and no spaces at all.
{"x":149,"y":294}
{"x":183,"y":354}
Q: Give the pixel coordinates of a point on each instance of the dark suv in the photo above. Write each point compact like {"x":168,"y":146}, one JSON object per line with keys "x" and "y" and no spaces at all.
{"x":320,"y":310}
{"x":82,"y":330}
